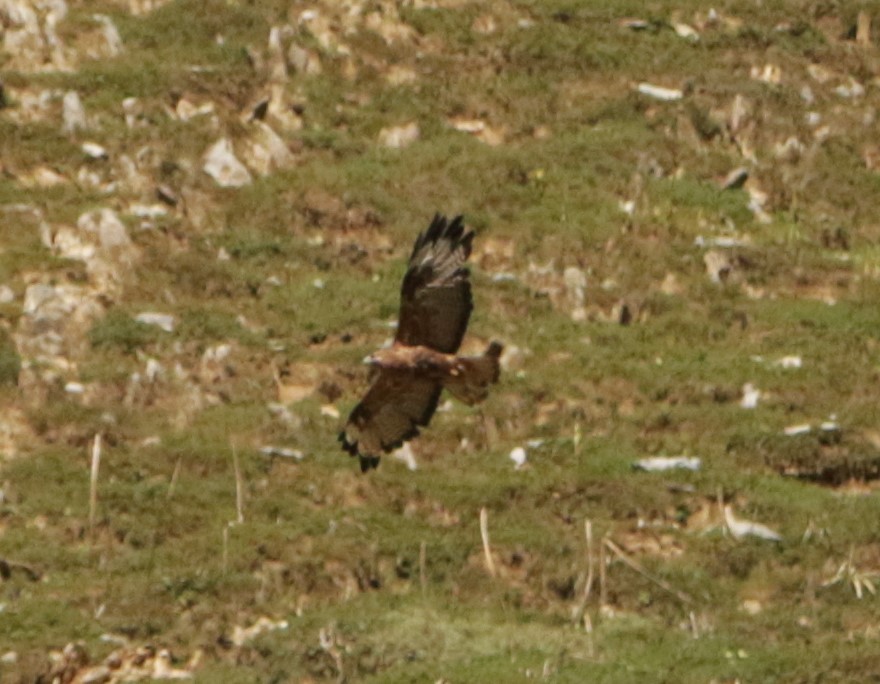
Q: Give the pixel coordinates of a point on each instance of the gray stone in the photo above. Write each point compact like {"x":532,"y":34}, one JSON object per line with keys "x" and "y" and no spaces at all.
{"x":224,"y":167}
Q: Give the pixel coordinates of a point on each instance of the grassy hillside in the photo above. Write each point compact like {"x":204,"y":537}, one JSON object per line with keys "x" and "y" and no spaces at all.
{"x":651,"y":302}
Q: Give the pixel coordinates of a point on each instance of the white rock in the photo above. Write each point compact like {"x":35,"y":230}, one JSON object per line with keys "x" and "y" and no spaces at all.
{"x":790,"y":150}
{"x":74,"y":388}
{"x":164,"y":321}
{"x":303,"y":61}
{"x":148,"y":211}
{"x":73,"y":114}
{"x":283,"y":452}
{"x":222,"y":165}
{"x":769,"y":73}
{"x":659,"y":92}
{"x":111,"y":35}
{"x":747,"y":528}
{"x":105,"y":224}
{"x":735,"y":179}
{"x":794,"y":430}
{"x":853,"y":89}
{"x":751,"y":396}
{"x":132,"y":110}
{"x":718,"y":265}
{"x":186,"y":110}
{"x":55,"y":321}
{"x":406,"y":455}
{"x":7,"y":294}
{"x":686,"y":31}
{"x":518,"y":456}
{"x":265,"y":151}
{"x":275,"y":56}
{"x":789,"y":362}
{"x":740,"y":113}
{"x":153,"y":370}
{"x":658,"y":464}
{"x":94,"y":150}
{"x":242,"y":635}
{"x":397,"y":137}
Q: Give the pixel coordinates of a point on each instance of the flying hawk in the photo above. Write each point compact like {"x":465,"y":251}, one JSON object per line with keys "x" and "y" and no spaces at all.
{"x":435,"y":304}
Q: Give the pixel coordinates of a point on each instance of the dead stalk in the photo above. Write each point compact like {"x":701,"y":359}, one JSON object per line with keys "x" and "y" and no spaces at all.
{"x":225,"y":548}
{"x":239,"y":488}
{"x":588,"y":628}
{"x":174,"y":475}
{"x":621,"y":554}
{"x":588,"y":585}
{"x":423,"y":553}
{"x":487,"y":550}
{"x":603,"y":584}
{"x":93,"y":484}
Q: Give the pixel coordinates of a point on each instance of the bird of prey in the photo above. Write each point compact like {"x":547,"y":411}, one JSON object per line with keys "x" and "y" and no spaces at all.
{"x":435,"y":305}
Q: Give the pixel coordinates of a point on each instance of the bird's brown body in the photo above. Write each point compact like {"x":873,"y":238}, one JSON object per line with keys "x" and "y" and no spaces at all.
{"x":401,"y":357}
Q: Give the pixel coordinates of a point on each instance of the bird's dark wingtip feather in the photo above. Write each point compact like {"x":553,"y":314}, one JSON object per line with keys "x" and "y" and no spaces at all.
{"x":494,"y":349}
{"x":350,"y":447}
{"x":369,"y":463}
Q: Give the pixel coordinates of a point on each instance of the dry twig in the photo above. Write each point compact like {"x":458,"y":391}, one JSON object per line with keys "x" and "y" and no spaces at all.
{"x":588,"y":584}
{"x":93,"y":484}
{"x":663,"y":584}
{"x":423,"y":553}
{"x":239,"y":488}
{"x":487,"y":550}
{"x":174,"y":475}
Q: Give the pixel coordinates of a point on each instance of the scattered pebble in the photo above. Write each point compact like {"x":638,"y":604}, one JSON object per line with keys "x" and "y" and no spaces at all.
{"x":397,"y":137}
{"x":686,"y":31}
{"x":789,"y":362}
{"x":718,"y":265}
{"x":735,"y":179}
{"x":164,"y":321}
{"x":406,"y":455}
{"x":94,"y":150}
{"x":330,"y":411}
{"x":852,"y":89}
{"x":224,"y":167}
{"x":242,"y":635}
{"x":283,"y":452}
{"x":658,"y":464}
{"x":769,"y":73}
{"x":73,"y":114}
{"x":794,"y":430}
{"x":659,"y":92}
{"x":751,"y":396}
{"x":518,"y":456}
{"x":747,"y":528}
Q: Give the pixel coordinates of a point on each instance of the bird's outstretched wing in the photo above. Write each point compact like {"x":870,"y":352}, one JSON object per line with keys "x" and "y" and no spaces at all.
{"x":395,"y":406}
{"x":435,"y":299}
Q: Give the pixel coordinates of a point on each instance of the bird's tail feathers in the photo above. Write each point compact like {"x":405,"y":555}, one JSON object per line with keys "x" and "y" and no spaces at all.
{"x":473,"y":374}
